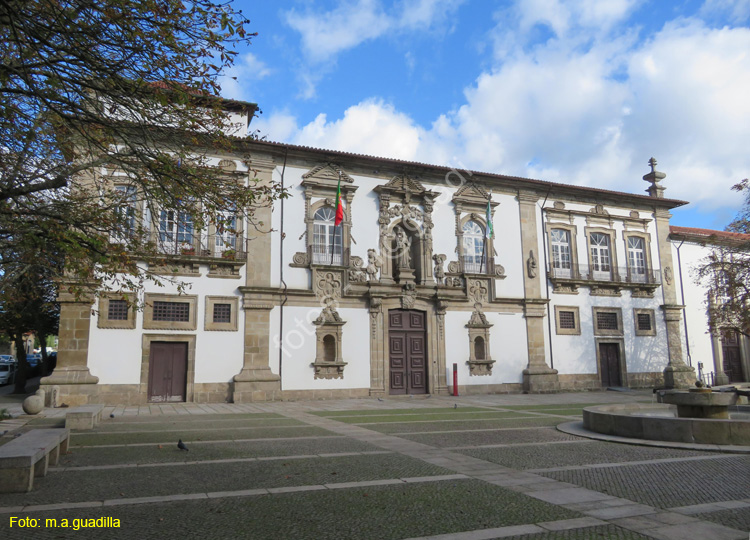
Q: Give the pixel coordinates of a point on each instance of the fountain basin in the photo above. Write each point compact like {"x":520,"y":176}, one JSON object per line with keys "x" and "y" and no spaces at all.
{"x":659,"y":422}
{"x":699,"y":402}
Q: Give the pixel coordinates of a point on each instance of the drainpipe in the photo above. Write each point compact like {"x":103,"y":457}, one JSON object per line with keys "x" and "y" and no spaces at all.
{"x":281,"y":275}
{"x":684,"y":313}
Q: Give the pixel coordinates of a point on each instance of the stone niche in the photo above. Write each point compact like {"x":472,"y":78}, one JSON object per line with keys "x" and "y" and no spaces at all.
{"x":480,"y":361}
{"x":329,"y":363}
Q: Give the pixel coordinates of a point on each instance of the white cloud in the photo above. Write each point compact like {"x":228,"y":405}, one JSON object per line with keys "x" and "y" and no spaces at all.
{"x":235,"y":84}
{"x":737,"y":10}
{"x":324,"y":35}
{"x":564,"y":17}
{"x":584,"y":115}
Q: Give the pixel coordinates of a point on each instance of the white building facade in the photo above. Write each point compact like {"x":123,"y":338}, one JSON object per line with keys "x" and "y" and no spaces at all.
{"x":574,"y":289}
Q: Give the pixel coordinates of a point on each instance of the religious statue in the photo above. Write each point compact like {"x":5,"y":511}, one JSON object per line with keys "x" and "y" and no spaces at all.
{"x":403,"y":248}
{"x":531,"y":264}
{"x":439,"y":273}
{"x":373,"y":264}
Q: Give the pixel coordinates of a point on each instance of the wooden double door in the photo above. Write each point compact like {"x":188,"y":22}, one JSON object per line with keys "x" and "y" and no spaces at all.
{"x":407,"y":351}
{"x":167,"y":371}
{"x":609,"y":364}
{"x":730,"y":345}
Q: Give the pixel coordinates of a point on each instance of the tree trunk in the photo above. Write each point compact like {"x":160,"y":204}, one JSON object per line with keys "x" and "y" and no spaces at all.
{"x":22,"y":368}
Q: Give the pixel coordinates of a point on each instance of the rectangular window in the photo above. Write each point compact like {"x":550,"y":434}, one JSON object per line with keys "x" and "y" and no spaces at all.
{"x":561,"y":257}
{"x":606,"y":320}
{"x":644,"y":322}
{"x":636,"y":259}
{"x":600,"y":256}
{"x":171,"y":311}
{"x":125,"y":213}
{"x":222,"y":313}
{"x":117,"y":310}
{"x":567,"y":320}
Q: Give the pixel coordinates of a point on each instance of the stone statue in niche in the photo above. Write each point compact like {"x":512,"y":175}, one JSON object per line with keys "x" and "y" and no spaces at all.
{"x":439,"y":273}
{"x":668,"y":274}
{"x":403,"y":248}
{"x":373,"y":265}
{"x":531,"y":264}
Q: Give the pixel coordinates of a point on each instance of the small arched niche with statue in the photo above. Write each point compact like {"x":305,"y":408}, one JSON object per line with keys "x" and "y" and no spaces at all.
{"x":480,"y":362}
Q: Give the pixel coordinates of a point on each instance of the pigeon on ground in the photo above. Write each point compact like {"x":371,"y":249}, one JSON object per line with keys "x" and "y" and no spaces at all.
{"x":455,"y":405}
{"x":112,"y":415}
{"x":380,"y":399}
{"x":182,"y":446}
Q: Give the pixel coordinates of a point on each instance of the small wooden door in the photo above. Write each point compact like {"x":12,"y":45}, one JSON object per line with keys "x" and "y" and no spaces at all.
{"x":609,"y":364}
{"x":167,"y":372}
{"x":407,"y":352}
{"x":730,"y":346}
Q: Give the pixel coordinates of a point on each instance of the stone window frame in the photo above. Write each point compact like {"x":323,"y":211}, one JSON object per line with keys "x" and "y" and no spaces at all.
{"x":210,"y":325}
{"x":651,"y":314}
{"x":618,"y":311}
{"x":489,"y":248}
{"x":573,"y":234}
{"x":646,"y":248}
{"x":320,"y":185}
{"x":148,"y":312}
{"x":613,"y":264}
{"x":568,"y":331}
{"x":102,"y":320}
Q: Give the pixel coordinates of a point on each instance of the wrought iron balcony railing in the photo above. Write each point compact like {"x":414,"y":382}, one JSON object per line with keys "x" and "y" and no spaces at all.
{"x":621,"y":274}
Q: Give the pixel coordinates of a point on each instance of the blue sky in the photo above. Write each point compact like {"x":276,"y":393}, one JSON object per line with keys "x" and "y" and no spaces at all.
{"x":575,"y":91}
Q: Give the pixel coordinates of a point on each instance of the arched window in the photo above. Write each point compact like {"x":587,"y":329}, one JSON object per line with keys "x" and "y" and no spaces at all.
{"x":474,"y":258}
{"x":329,"y":348}
{"x":327,"y":239}
{"x":479,"y":348}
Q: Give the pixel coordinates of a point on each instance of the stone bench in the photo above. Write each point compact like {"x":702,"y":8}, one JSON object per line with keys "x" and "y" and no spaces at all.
{"x":29,"y":456}
{"x":84,"y":417}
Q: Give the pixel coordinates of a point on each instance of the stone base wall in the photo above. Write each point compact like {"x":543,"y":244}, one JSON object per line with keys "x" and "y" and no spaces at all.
{"x":583,"y":382}
{"x":646,"y":379}
{"x":478,"y":389}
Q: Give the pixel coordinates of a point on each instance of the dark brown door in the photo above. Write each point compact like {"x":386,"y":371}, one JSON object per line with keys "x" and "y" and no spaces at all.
{"x":730,"y":346}
{"x":408,"y":357}
{"x":167,"y":372}
{"x":609,"y":359}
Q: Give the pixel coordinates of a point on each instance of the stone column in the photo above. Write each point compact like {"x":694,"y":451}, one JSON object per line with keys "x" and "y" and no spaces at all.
{"x":677,"y":374}
{"x":718,"y":354}
{"x":75,"y":384}
{"x":377,"y":343}
{"x":538,"y":376}
{"x":256,"y":381}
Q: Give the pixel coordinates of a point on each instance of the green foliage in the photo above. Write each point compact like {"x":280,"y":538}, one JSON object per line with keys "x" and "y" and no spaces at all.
{"x":126,"y":90}
{"x":726,"y":273}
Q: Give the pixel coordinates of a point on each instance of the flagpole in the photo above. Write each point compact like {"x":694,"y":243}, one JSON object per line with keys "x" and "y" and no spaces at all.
{"x":487,"y":232}
{"x":338,"y":213}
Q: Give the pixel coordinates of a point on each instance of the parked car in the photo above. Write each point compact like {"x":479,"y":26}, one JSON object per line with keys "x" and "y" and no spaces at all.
{"x":7,"y":369}
{"x":8,"y":358}
{"x":35,"y":363}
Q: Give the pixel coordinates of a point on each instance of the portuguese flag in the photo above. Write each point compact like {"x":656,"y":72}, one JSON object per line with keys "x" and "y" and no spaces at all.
{"x":339,"y":206}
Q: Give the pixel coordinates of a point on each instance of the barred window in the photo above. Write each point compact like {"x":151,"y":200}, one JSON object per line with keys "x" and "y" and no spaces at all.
{"x":117,"y":310}
{"x":222,"y":313}
{"x":644,"y":322}
{"x":567,"y":320}
{"x":172,"y":311}
{"x":606,"y":321}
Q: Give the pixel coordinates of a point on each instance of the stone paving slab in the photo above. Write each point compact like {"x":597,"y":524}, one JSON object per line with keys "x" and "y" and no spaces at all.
{"x":666,"y":485}
{"x":426,"y":426}
{"x":736,"y":518}
{"x":415,"y":510}
{"x":207,"y":450}
{"x":539,"y":457}
{"x":496,"y":436}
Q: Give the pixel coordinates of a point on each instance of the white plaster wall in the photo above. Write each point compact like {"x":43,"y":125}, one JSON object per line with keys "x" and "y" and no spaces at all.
{"x":444,"y":232}
{"x":507,"y":226}
{"x":508,"y":347}
{"x":364,"y":214}
{"x":294,"y":227}
{"x":698,"y":338}
{"x":115,"y":355}
{"x":299,"y":349}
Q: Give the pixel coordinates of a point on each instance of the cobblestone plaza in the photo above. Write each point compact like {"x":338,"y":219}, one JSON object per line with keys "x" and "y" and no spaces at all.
{"x":463,"y":468}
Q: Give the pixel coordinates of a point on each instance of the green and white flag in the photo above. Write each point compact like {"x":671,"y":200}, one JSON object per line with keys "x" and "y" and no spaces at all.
{"x":489,"y":230}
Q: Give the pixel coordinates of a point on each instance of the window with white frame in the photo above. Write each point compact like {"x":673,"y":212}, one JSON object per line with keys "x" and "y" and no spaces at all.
{"x":125,"y":211}
{"x":600,"y":256}
{"x":226,"y":231}
{"x":561,"y":256}
{"x":474,"y":257}
{"x":175,"y":230}
{"x":636,"y":259}
{"x":327,"y":239}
